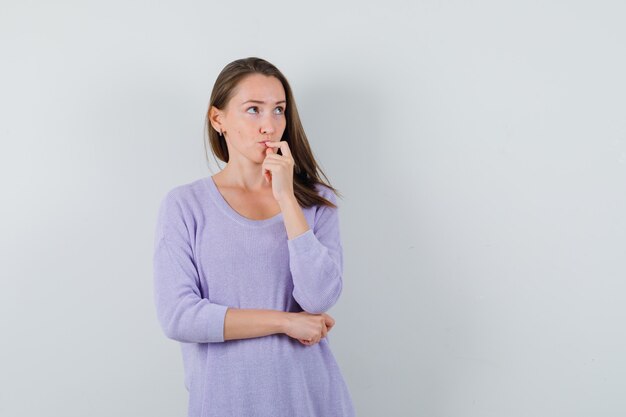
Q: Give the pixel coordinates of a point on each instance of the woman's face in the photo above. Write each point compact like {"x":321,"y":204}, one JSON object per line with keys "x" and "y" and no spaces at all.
{"x":255,"y":113}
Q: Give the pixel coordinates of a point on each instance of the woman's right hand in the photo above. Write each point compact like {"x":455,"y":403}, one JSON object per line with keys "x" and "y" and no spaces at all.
{"x":308,"y":328}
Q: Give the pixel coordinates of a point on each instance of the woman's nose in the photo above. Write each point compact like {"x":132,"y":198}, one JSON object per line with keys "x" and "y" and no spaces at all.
{"x":267,"y":128}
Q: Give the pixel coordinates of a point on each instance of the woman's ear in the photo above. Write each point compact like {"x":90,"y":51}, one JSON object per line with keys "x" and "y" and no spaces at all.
{"x":215,"y":118}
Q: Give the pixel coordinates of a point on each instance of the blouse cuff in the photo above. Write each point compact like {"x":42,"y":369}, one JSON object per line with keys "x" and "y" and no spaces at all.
{"x":216,"y":322}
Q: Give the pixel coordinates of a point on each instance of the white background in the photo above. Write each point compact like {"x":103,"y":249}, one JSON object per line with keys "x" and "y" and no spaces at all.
{"x":480,"y":147}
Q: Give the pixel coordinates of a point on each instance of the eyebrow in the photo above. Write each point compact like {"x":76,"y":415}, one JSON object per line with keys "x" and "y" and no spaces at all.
{"x":261,"y":102}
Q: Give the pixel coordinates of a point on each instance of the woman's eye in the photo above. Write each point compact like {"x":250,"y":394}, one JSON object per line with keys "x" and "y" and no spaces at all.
{"x":282,"y":109}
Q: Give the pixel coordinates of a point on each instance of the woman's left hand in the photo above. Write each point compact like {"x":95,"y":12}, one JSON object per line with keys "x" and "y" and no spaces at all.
{"x":278,"y":169}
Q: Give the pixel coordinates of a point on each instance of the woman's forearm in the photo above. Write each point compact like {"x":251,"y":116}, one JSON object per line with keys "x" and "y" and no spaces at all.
{"x":245,"y":323}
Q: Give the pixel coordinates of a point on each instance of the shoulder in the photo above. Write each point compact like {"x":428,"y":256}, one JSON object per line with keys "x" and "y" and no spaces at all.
{"x":184,"y":196}
{"x":324,"y":212}
{"x":326,"y":192}
{"x":181,"y":205}
{"x":326,"y":218}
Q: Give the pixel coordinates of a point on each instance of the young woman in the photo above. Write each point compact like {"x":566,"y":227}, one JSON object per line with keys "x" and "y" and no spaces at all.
{"x":248,"y":261}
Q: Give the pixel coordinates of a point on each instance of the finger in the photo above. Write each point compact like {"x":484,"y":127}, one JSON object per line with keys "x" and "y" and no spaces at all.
{"x":276,"y":161}
{"x":270,"y":167}
{"x":282,"y":145}
{"x":266,"y":171}
{"x":275,"y":157}
{"x":330,"y":325}
{"x":271,"y":162}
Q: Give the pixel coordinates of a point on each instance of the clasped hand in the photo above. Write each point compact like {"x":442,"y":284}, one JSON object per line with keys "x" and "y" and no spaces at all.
{"x":308,"y":328}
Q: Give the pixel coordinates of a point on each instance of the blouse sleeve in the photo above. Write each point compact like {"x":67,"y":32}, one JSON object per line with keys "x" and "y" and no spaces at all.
{"x":184,"y":315}
{"x":316,"y":261}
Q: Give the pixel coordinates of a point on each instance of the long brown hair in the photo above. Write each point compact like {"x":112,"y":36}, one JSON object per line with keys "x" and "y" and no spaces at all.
{"x":306,"y":168}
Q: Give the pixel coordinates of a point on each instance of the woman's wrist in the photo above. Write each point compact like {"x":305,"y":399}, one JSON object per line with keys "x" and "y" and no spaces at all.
{"x":282,"y":319}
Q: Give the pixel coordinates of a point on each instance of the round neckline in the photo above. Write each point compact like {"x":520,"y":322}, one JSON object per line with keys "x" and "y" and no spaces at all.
{"x":232,"y":213}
